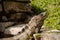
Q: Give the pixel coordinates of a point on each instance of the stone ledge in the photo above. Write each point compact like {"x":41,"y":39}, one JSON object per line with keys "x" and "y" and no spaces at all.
{"x":54,"y":35}
{"x":16,"y":6}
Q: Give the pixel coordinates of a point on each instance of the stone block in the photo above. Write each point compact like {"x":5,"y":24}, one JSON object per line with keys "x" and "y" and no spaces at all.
{"x":3,"y":25}
{"x":51,"y":35}
{"x":16,"y":6}
{"x":14,"y":30}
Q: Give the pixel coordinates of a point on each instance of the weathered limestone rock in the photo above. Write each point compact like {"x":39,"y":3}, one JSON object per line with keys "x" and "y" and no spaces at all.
{"x":48,"y":35}
{"x":14,"y":9}
{"x":7,"y":39}
{"x":54,"y":31}
{"x":14,"y":30}
{"x":13,"y":17}
{"x":6,"y":24}
{"x":18,"y":17}
{"x":16,"y":6}
{"x":21,"y":17}
{"x":3,"y":25}
{"x":51,"y":35}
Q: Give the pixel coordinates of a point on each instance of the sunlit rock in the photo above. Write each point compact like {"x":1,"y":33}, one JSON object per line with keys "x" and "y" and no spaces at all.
{"x":14,"y":30}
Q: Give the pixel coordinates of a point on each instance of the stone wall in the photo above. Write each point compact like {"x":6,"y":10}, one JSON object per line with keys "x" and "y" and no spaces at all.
{"x":15,"y":8}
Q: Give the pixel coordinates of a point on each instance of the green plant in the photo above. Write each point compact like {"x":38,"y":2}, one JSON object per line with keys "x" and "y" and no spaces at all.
{"x":53,"y":10}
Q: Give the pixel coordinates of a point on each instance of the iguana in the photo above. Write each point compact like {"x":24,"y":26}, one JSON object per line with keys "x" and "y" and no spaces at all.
{"x":27,"y":29}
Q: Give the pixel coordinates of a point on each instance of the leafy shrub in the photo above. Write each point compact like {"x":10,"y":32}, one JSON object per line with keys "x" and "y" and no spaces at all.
{"x":53,"y":10}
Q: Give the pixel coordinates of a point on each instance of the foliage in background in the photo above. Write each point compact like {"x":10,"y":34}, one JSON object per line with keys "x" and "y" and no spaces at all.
{"x":53,"y":10}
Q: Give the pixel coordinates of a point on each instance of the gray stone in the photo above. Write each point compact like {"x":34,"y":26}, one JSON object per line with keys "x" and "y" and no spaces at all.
{"x":16,"y":6}
{"x":3,"y":25}
{"x":51,"y":36}
{"x":7,"y":39}
{"x":6,"y":24}
{"x":21,"y":17}
{"x":14,"y":30}
{"x":16,"y":17}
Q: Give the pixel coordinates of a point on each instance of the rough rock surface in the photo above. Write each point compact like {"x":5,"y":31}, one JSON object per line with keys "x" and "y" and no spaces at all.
{"x":14,"y":30}
{"x":15,"y":10}
{"x":3,"y":25}
{"x":54,"y":35}
{"x":16,"y":6}
{"x":8,"y":38}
